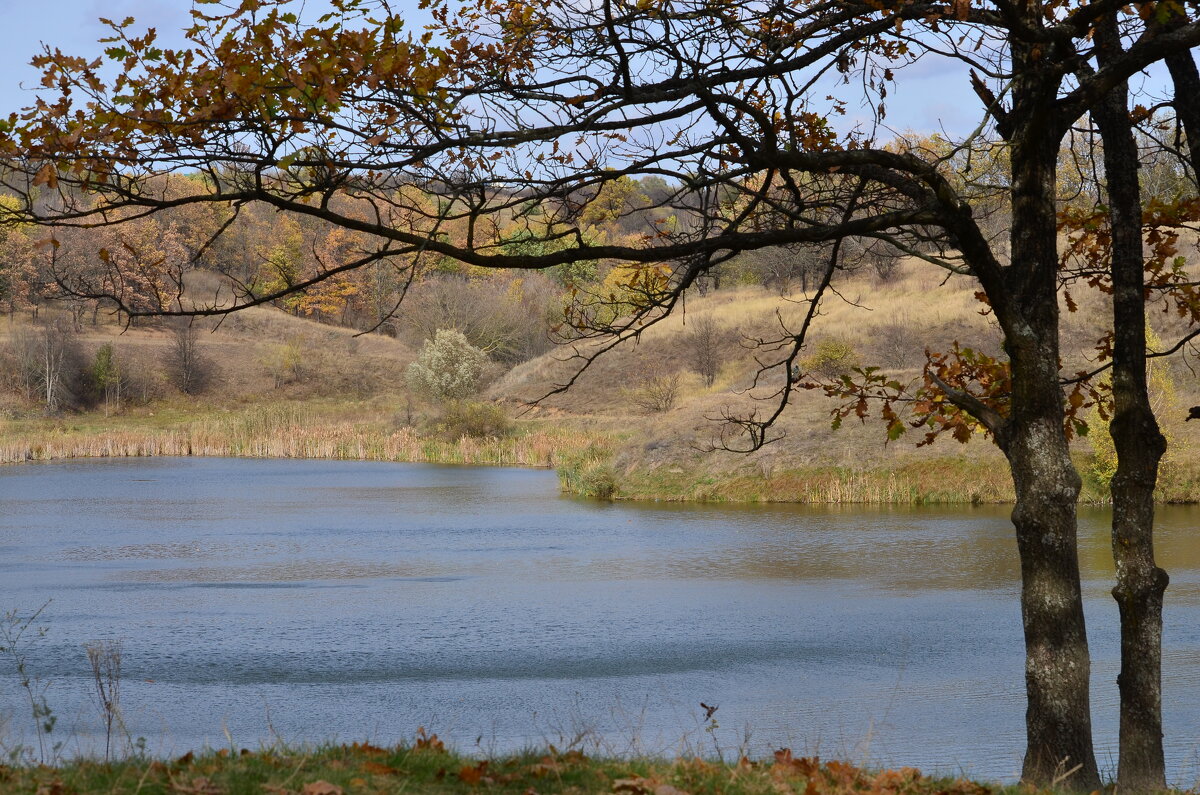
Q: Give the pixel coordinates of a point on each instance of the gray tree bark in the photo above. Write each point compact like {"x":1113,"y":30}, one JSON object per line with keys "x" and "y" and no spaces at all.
{"x":1057,"y":660}
{"x":1139,"y":446}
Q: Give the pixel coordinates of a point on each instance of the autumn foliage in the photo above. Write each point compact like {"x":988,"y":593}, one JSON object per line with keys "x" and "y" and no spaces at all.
{"x":510,"y":135}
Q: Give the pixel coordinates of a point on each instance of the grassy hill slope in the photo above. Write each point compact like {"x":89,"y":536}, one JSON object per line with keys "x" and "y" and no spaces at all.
{"x":282,"y":385}
{"x":669,"y":454}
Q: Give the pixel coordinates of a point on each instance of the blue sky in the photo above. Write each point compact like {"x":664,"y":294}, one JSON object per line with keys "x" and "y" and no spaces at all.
{"x":72,"y":26}
{"x":929,"y":96}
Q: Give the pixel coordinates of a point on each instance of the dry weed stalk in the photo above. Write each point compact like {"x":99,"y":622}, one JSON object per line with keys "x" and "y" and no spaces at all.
{"x":105,"y":659}
{"x":14,"y":644}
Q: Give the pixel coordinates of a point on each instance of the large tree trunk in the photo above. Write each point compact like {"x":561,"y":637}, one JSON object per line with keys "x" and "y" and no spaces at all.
{"x":1187,"y":102}
{"x":1139,"y":446}
{"x":1186,"y":78}
{"x":1057,"y":662}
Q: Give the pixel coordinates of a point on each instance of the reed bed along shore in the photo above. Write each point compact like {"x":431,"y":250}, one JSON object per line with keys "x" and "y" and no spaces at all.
{"x":427,"y":767}
{"x":285,"y":432}
{"x":587,"y":457}
{"x":935,"y":481}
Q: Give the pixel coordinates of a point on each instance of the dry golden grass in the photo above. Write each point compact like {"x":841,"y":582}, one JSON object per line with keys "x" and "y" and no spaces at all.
{"x":889,"y":324}
{"x":288,"y":431}
{"x":333,"y":362}
{"x":667,"y":455}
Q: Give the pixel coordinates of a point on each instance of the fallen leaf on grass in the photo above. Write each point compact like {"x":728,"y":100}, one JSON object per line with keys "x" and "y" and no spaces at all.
{"x":380,"y":769}
{"x":842,"y":773}
{"x":428,"y":742}
{"x":644,"y":786}
{"x":896,"y":780}
{"x":320,"y":788}
{"x":696,"y":765}
{"x":474,"y":775}
{"x":367,"y":749}
{"x":788,"y":765}
{"x":197,"y":786}
{"x":544,"y":767}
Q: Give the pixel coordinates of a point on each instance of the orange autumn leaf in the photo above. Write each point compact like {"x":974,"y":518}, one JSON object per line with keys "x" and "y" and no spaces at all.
{"x":320,"y":788}
{"x":474,"y":775}
{"x":380,"y":769}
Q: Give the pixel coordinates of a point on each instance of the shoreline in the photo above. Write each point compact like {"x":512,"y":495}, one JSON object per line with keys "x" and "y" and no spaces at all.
{"x":282,"y":431}
{"x":586,"y":456}
{"x":832,"y":485}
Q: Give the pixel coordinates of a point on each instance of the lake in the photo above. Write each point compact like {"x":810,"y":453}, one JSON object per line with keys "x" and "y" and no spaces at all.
{"x":304,"y":601}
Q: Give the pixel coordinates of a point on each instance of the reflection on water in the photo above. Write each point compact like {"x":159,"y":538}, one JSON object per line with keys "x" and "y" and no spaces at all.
{"x":314,"y":600}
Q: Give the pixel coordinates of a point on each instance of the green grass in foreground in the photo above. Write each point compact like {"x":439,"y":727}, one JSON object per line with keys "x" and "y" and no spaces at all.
{"x":427,"y":766}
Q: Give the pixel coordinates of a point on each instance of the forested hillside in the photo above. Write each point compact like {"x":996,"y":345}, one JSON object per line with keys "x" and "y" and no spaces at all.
{"x":337,"y":320}
{"x":643,"y":420}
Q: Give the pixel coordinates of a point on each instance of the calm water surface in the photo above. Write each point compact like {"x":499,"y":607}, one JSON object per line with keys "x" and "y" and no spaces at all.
{"x":308,"y":601}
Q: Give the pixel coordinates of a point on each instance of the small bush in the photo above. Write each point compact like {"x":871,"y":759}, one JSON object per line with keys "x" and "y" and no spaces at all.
{"x":656,"y":394}
{"x":50,"y":366}
{"x":1103,"y":463}
{"x":898,"y":343}
{"x":187,"y":366}
{"x":285,"y":362}
{"x":703,"y":341}
{"x":142,"y":382}
{"x":106,"y":378}
{"x":448,"y":368}
{"x":473,"y":419}
{"x":508,"y":319}
{"x":1164,"y":401}
{"x":833,"y":358}
{"x":876,"y":255}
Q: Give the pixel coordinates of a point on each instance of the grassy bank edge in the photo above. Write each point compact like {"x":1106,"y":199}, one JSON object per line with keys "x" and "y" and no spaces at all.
{"x":932,"y":480}
{"x":428,"y":767}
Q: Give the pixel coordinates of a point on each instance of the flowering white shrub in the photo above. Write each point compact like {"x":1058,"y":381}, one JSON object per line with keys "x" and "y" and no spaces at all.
{"x":448,"y":367}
